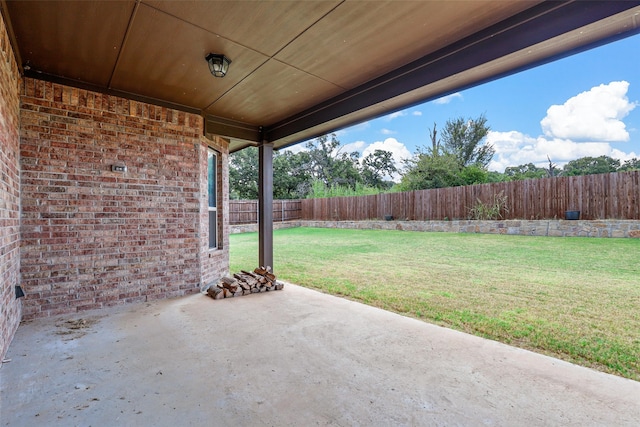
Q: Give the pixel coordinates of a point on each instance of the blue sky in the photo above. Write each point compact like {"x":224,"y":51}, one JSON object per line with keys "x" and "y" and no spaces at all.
{"x":585,"y":105}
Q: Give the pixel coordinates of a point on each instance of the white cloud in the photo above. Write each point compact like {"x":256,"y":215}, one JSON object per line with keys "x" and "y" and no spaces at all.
{"x":296,"y":148}
{"x":341,"y":133}
{"x":594,"y":115}
{"x":447,"y":99}
{"x":387,"y":131}
{"x":398,"y":151}
{"x":395,"y":115}
{"x":353,"y":146}
{"x":514,"y":148}
{"x":583,"y":126}
{"x":402,"y":113}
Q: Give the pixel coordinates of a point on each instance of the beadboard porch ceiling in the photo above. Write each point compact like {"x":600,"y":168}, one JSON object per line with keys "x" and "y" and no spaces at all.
{"x":299,"y":68}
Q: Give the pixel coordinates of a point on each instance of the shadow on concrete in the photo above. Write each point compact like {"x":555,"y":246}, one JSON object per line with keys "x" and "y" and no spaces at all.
{"x":290,"y":358}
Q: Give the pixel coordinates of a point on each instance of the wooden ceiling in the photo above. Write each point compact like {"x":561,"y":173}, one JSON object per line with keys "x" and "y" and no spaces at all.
{"x":299,"y":68}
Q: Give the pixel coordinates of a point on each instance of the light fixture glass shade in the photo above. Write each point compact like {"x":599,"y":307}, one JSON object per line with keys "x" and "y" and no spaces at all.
{"x":218,"y":64}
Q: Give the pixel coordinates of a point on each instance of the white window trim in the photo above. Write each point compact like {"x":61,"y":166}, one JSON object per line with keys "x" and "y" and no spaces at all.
{"x":211,"y":152}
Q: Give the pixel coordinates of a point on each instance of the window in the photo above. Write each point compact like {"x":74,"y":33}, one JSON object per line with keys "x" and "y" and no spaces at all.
{"x":212,"y":176}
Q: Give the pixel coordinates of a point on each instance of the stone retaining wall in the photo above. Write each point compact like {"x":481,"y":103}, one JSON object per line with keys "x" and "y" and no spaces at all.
{"x":555,"y":228}
{"x":253,"y":228}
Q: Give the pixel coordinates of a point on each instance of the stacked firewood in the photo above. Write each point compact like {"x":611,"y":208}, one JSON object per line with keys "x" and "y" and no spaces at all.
{"x":244,"y":283}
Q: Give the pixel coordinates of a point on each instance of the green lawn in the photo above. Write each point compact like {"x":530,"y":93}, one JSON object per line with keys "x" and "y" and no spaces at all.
{"x":577,"y":299}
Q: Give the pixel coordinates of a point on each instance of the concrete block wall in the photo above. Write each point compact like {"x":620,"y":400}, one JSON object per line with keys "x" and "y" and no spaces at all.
{"x":92,"y":237}
{"x":10,"y":307}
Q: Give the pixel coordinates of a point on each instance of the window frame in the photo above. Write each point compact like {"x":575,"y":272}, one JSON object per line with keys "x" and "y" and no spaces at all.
{"x":212,"y":196}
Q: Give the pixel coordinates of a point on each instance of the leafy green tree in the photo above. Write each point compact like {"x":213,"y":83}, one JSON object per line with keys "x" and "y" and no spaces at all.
{"x":591,"y":166}
{"x":327,"y":163}
{"x":425,"y":171}
{"x":460,"y":158}
{"x":291,"y":179}
{"x":243,"y":174}
{"x":473,"y":174}
{"x":493,"y":176}
{"x":630,"y":165}
{"x":294,"y":173}
{"x":528,"y":171}
{"x":463,"y":138}
{"x":375,"y":167}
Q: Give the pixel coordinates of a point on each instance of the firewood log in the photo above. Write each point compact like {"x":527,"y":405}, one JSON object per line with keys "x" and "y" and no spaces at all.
{"x":261,"y":271}
{"x":215,"y":292}
{"x":228,"y":280}
{"x":244,"y":283}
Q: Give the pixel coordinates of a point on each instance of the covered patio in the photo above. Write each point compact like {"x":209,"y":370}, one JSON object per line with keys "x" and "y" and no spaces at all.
{"x":284,"y":359}
{"x":298,"y":70}
{"x":114,"y":187}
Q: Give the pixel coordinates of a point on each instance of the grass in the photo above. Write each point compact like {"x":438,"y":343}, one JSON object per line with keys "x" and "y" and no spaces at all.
{"x":577,"y":299}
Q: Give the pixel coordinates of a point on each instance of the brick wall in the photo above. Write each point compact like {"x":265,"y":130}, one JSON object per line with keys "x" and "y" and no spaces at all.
{"x":10,"y":308}
{"x":214,"y":263}
{"x":92,"y":237}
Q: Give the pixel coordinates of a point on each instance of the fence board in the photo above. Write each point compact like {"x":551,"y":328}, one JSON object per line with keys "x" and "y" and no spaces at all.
{"x":604,"y":196}
{"x":246,"y":211}
{"x":614,"y":196}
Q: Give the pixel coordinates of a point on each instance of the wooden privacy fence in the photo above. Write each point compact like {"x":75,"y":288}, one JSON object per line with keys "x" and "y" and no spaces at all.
{"x":246,"y":211}
{"x":603,"y":196}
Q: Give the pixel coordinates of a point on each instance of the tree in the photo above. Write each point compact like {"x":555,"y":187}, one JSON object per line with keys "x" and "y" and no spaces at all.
{"x":493,"y":176}
{"x":473,"y":174}
{"x":463,"y":138}
{"x":435,"y":142}
{"x":243,"y":174}
{"x":459,"y":158}
{"x":528,"y":171}
{"x":630,"y":165}
{"x":553,"y":169}
{"x":294,"y":173}
{"x":327,"y":163}
{"x":291,"y":179}
{"x":425,"y":171}
{"x":375,"y":167}
{"x":591,"y":166}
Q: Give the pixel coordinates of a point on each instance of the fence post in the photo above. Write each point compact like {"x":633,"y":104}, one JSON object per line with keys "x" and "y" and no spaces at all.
{"x":543,"y":198}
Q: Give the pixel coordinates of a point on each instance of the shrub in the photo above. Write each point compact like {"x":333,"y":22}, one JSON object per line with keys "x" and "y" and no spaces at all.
{"x":494,"y":209}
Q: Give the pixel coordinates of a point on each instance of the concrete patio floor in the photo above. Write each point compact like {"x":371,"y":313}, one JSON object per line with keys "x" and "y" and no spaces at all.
{"x":290,"y":358}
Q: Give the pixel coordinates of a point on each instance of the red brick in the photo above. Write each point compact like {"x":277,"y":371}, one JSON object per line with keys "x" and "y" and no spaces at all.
{"x":102,"y":228}
{"x":90,"y":237}
{"x":10,"y":84}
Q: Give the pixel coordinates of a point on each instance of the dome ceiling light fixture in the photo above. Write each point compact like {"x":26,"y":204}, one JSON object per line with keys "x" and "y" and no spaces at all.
{"x":218,"y":64}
